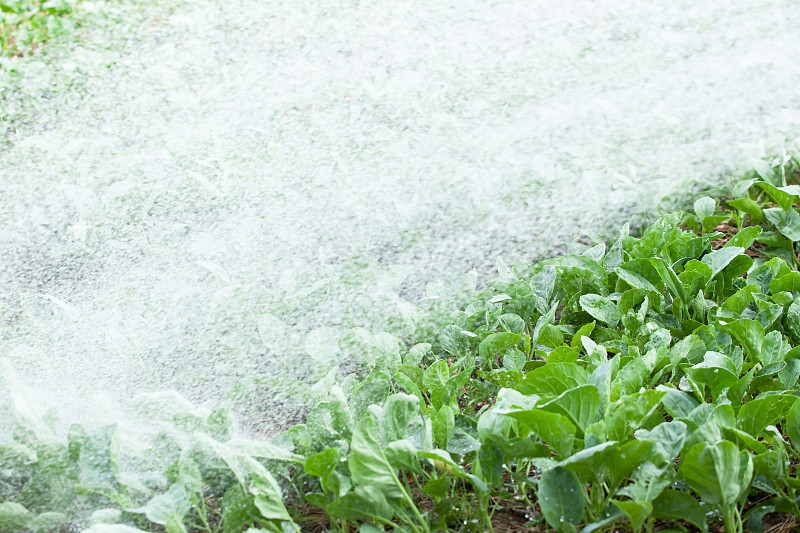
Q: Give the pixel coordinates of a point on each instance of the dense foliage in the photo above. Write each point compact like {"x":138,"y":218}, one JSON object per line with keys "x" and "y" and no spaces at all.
{"x":26,"y":24}
{"x":646,"y":382}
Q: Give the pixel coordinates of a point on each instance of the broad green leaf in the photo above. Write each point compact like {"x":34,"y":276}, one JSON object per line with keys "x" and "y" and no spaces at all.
{"x":668,"y":437}
{"x":648,"y":481}
{"x":637,"y":512}
{"x":669,"y":278}
{"x":745,"y":237}
{"x":773,"y":349}
{"x":589,"y":463}
{"x":443,"y":421}
{"x":99,"y":458}
{"x":677,"y":505}
{"x":640,"y":274}
{"x":554,"y":378}
{"x":792,"y":426}
{"x":444,"y":461}
{"x":628,"y":413}
{"x":704,"y":207}
{"x":364,"y":502}
{"x":584,"y":331}
{"x":453,"y":341}
{"x":718,"y":260}
{"x":373,"y":390}
{"x":782,"y":198}
{"x":489,"y":462}
{"x":787,"y":222}
{"x":748,"y":206}
{"x":513,"y":323}
{"x":402,"y":454}
{"x":563,"y":354}
{"x":496,"y":343}
{"x":762,"y":275}
{"x":514,"y":360}
{"x":542,"y":321}
{"x":174,"y":501}
{"x":269,"y":500}
{"x":763,"y":411}
{"x":717,"y":371}
{"x":322,"y":463}
{"x":436,"y":376}
{"x":581,"y":405}
{"x":554,"y":429}
{"x":399,"y":411}
{"x":718,"y":472}
{"x":601,"y":308}
{"x":749,"y":333}
{"x":790,"y":282}
{"x":14,"y":516}
{"x":561,"y":498}
{"x":738,"y":302}
{"x":368,"y":464}
{"x":620,"y":460}
{"x":793,"y":319}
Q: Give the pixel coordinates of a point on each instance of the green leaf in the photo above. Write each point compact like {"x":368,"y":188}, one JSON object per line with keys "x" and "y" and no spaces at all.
{"x":792,"y":426}
{"x":793,"y":319}
{"x":584,"y":331}
{"x":739,"y":301}
{"x":443,"y":421}
{"x":553,"y":378}
{"x":322,"y":463}
{"x":399,"y":411}
{"x":367,"y":462}
{"x":669,"y":278}
{"x":763,"y":411}
{"x":677,"y":505}
{"x":581,"y":405}
{"x":637,"y":512}
{"x":364,"y":502}
{"x":718,"y":260}
{"x":14,"y":516}
{"x":554,"y":429}
{"x":790,"y":282}
{"x":748,"y":206}
{"x":174,"y":501}
{"x":269,"y":500}
{"x":749,"y":333}
{"x":787,"y":222}
{"x":717,"y":371}
{"x":239,"y":509}
{"x":745,"y":237}
{"x":718,"y":472}
{"x":668,"y":437}
{"x":454,"y":468}
{"x":453,"y":341}
{"x":640,"y":274}
{"x":496,"y":343}
{"x":561,"y":498}
{"x":628,"y":413}
{"x":784,"y":199}
{"x":601,"y":308}
{"x":704,"y":207}
{"x":543,"y":321}
{"x":563,"y":354}
{"x":514,"y":360}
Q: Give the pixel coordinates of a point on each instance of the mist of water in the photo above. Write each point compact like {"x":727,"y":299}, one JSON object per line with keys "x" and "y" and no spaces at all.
{"x":200,"y":199}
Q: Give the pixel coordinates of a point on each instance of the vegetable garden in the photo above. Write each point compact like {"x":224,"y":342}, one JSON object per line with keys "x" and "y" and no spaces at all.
{"x":647,"y":384}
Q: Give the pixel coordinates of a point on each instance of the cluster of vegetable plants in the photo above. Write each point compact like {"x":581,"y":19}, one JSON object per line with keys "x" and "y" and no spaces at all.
{"x":26,"y":24}
{"x":649,"y":383}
